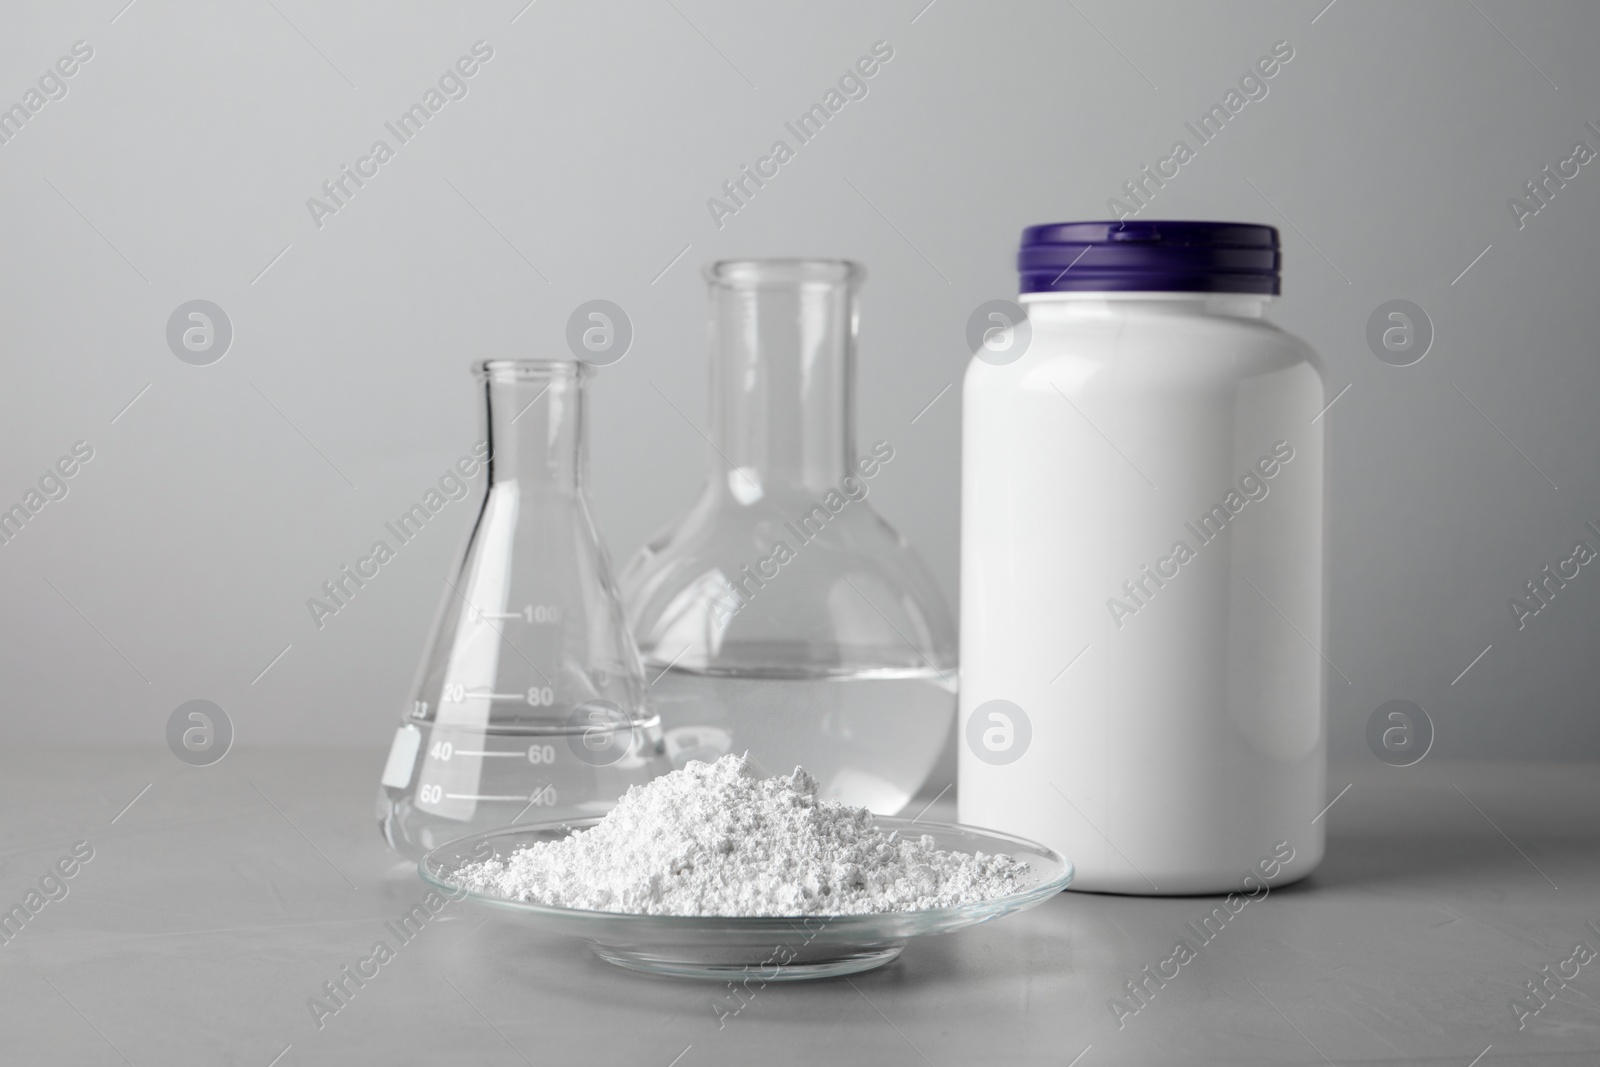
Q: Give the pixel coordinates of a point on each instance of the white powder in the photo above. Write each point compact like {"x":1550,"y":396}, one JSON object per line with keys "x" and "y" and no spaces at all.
{"x":714,"y":839}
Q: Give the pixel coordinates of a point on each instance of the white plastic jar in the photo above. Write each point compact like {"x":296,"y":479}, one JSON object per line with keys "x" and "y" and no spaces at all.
{"x":1143,"y":606}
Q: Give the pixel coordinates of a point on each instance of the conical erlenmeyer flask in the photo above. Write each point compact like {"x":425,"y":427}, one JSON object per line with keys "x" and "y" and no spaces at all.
{"x":531,"y":704}
{"x":781,"y":615}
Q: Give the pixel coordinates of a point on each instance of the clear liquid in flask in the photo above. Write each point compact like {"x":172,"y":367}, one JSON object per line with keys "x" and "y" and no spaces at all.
{"x":868,"y":737}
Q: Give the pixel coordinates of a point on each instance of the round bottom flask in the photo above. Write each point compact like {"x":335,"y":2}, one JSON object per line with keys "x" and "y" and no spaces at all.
{"x":531,"y":704}
{"x":782,"y":616}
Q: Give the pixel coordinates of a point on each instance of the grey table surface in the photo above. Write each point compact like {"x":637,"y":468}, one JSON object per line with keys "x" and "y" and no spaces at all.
{"x":217,"y":904}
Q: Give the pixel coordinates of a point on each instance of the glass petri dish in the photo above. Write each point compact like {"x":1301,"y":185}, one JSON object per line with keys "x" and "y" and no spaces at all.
{"x":767,"y":948}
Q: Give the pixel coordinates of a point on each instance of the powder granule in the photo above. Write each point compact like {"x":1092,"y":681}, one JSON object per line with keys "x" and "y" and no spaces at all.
{"x":715,"y":839}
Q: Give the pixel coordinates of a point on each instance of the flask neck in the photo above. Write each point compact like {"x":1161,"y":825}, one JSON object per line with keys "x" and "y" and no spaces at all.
{"x":534,"y":422}
{"x":782,"y":337}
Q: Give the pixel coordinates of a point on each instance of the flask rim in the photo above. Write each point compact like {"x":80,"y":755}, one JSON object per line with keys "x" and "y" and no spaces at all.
{"x":529,"y":369}
{"x":784,"y":273}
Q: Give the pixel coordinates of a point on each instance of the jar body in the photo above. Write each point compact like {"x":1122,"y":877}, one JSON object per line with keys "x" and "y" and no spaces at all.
{"x":1142,"y":583}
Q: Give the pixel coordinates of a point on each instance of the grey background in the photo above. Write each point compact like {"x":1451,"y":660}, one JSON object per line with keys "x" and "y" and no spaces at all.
{"x":179,"y":164}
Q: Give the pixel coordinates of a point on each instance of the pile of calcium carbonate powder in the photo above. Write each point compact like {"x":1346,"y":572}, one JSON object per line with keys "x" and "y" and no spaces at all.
{"x":715,"y":839}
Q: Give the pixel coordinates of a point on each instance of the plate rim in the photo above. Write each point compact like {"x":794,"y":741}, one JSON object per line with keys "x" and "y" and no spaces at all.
{"x":992,"y":908}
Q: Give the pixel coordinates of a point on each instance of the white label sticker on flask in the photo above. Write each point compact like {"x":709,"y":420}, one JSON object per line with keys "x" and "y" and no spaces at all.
{"x":402,"y":757}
